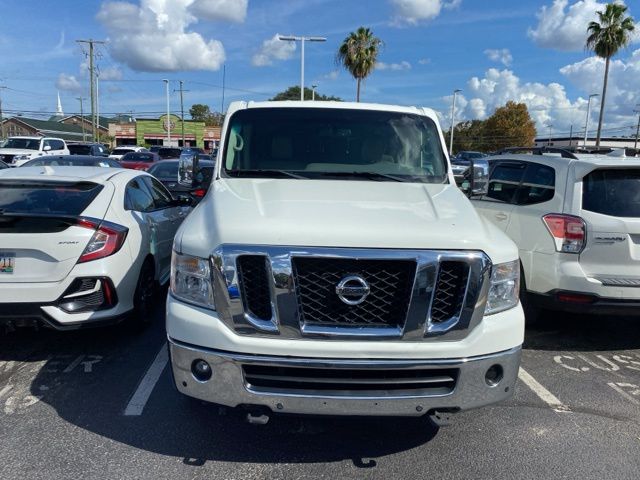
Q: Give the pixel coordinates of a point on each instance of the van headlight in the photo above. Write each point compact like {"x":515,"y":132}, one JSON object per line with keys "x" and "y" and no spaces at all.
{"x":191,"y":280}
{"x":26,"y":156}
{"x":505,"y":287}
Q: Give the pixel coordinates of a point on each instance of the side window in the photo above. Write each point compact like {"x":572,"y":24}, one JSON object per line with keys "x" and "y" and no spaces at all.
{"x":504,"y":180}
{"x":538,"y":185}
{"x":57,"y":145}
{"x":46,"y":143}
{"x":161,"y":197}
{"x":137,"y":197}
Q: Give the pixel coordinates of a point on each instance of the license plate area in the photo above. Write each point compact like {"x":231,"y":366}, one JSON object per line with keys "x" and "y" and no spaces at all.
{"x":7,"y":263}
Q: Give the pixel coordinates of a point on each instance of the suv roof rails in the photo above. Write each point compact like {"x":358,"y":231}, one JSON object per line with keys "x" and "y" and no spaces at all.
{"x":539,"y":151}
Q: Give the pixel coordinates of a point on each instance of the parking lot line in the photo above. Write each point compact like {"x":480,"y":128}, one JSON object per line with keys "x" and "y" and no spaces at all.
{"x":145,"y":387}
{"x":617,"y":388}
{"x":544,"y":394}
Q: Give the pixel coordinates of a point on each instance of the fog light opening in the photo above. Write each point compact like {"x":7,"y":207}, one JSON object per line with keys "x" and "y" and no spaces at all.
{"x":494,"y":375}
{"x":201,"y":370}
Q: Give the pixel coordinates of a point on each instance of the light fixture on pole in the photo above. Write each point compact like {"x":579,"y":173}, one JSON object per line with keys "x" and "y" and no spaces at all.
{"x":586,"y":123}
{"x":453,"y":114}
{"x":294,"y":38}
{"x":313,"y":92}
{"x":168,"y":124}
{"x":549,"y":140}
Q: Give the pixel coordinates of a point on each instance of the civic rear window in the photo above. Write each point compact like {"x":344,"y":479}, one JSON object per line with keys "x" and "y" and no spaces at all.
{"x":613,"y":192}
{"x":54,"y":198}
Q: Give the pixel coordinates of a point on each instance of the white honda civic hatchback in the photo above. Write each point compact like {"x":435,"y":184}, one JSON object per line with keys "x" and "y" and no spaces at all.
{"x":83,"y":246}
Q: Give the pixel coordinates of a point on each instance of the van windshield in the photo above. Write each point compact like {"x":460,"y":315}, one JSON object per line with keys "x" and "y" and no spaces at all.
{"x":334,"y":143}
{"x":25,"y":143}
{"x":613,"y":192}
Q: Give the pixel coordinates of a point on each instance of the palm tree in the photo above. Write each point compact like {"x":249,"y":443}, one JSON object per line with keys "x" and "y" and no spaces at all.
{"x":606,"y":37}
{"x":358,"y":54}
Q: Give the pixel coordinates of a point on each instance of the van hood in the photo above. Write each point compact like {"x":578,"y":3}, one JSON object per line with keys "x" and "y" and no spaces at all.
{"x":19,"y":151}
{"x":339,"y":213}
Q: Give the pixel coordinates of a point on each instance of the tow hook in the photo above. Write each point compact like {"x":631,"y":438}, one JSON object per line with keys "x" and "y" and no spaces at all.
{"x":256,"y":418}
{"x":440,"y":418}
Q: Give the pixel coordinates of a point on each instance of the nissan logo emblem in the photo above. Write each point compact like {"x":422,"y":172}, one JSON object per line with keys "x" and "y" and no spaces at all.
{"x":353,"y":290}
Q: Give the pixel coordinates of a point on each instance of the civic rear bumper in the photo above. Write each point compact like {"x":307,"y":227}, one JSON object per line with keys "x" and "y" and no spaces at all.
{"x":228,"y":384}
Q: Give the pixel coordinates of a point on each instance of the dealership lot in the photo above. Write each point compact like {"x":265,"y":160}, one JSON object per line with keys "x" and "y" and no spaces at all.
{"x":100,"y":404}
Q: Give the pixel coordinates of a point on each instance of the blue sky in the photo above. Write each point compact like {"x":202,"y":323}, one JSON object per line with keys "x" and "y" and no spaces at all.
{"x":493,"y":50}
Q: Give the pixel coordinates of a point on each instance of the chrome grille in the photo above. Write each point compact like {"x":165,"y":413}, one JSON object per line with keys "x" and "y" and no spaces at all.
{"x":370,"y":382}
{"x":451,"y":287}
{"x":390,"y":283}
{"x":254,"y":283}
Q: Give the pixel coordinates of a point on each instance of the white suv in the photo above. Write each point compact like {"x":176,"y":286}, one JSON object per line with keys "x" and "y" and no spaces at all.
{"x":576,"y":221}
{"x":82,"y":245}
{"x":19,"y":150}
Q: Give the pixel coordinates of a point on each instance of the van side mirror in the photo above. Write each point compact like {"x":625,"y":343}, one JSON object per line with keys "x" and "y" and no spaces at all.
{"x":476,"y":181}
{"x":189,"y":169}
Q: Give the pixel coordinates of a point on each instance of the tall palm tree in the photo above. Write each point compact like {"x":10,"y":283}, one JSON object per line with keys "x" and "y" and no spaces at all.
{"x":358,"y":54}
{"x":606,"y":37}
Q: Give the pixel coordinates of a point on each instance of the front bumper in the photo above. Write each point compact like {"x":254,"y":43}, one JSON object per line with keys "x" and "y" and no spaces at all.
{"x":228,"y":387}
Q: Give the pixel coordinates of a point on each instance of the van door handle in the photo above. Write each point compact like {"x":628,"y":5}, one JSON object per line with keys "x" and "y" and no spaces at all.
{"x":501,"y":216}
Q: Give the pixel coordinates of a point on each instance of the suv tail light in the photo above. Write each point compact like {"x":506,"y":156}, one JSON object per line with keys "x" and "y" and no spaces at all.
{"x":568,"y":232}
{"x":106,"y":240}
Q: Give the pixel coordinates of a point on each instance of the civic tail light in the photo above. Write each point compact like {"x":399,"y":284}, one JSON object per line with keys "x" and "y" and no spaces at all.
{"x":199,"y":192}
{"x":568,"y":232}
{"x":106,"y":240}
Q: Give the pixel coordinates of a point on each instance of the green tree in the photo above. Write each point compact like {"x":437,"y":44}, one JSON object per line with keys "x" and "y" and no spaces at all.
{"x":202,"y":113}
{"x":606,"y":38}
{"x":509,"y":126}
{"x":358,"y":54}
{"x":293,"y":93}
{"x":468,"y":135}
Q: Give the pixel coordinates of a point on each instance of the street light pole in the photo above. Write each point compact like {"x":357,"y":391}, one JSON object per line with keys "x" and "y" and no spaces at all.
{"x":166,"y":84}
{"x":586,"y":123}
{"x":294,"y":38}
{"x":313,"y":92}
{"x":549,"y":141}
{"x":635,"y":144}
{"x":82,"y":117}
{"x":453,"y":113}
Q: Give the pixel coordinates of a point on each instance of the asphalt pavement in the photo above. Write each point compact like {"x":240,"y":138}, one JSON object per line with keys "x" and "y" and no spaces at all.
{"x":100,"y":404}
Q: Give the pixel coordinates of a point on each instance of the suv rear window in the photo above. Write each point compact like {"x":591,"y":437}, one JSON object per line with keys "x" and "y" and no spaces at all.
{"x":48,"y":198}
{"x":613,"y":192}
{"x":80,"y":149}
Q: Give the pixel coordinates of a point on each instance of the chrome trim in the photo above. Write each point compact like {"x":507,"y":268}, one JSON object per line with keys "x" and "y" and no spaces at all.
{"x":286,"y":323}
{"x":228,"y":387}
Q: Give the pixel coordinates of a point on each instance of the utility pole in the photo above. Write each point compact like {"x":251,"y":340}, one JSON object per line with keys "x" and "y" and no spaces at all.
{"x":166,"y":83}
{"x":453,"y":114}
{"x":635,"y":144}
{"x":1,"y":119}
{"x":98,"y":107}
{"x":81,"y":117}
{"x":570,"y":135}
{"x":91,"y":44}
{"x":182,"y":109}
{"x":224,"y":74}
{"x":549,"y":141}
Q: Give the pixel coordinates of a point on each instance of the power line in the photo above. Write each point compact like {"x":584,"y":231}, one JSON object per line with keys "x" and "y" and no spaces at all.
{"x":94,"y":119}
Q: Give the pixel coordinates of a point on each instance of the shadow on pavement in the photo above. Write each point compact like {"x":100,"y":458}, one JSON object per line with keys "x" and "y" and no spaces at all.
{"x":563,"y":331}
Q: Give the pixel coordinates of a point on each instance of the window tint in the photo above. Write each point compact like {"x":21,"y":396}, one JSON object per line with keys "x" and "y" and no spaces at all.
{"x":57,"y":144}
{"x":538,"y":185}
{"x":161,"y":197}
{"x":613,"y":192}
{"x":138,"y":197}
{"x":165,"y":170}
{"x":79,"y":149}
{"x":504,"y":179}
{"x":57,"y":198}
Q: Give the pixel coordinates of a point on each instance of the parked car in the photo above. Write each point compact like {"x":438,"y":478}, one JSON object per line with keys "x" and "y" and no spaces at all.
{"x":118,"y":152}
{"x":334,"y":268}
{"x":72,"y":161}
{"x":83,"y":246}
{"x":18,"y":150}
{"x":169,"y":152}
{"x":138,"y":160}
{"x":167,"y":172}
{"x":576,"y":222}
{"x":154,"y":148}
{"x":95,"y":149}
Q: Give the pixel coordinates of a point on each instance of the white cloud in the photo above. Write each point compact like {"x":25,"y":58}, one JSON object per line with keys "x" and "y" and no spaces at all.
{"x":502,"y":55}
{"x":154,"y":36}
{"x":68,"y":83}
{"x":403,"y":65}
{"x":424,"y":61}
{"x":549,"y":103}
{"x":412,"y":12}
{"x":273,"y":49}
{"x":565,"y":29}
{"x":332,"y":75}
{"x":110,"y":73}
{"x":229,"y":10}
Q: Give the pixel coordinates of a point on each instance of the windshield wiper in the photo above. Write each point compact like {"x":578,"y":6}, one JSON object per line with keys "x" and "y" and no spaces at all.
{"x":366,"y":175}
{"x":263,"y":173}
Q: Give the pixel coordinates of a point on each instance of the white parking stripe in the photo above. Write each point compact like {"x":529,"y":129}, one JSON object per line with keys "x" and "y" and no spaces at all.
{"x":145,"y":387}
{"x":623,"y":393}
{"x":544,"y":394}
